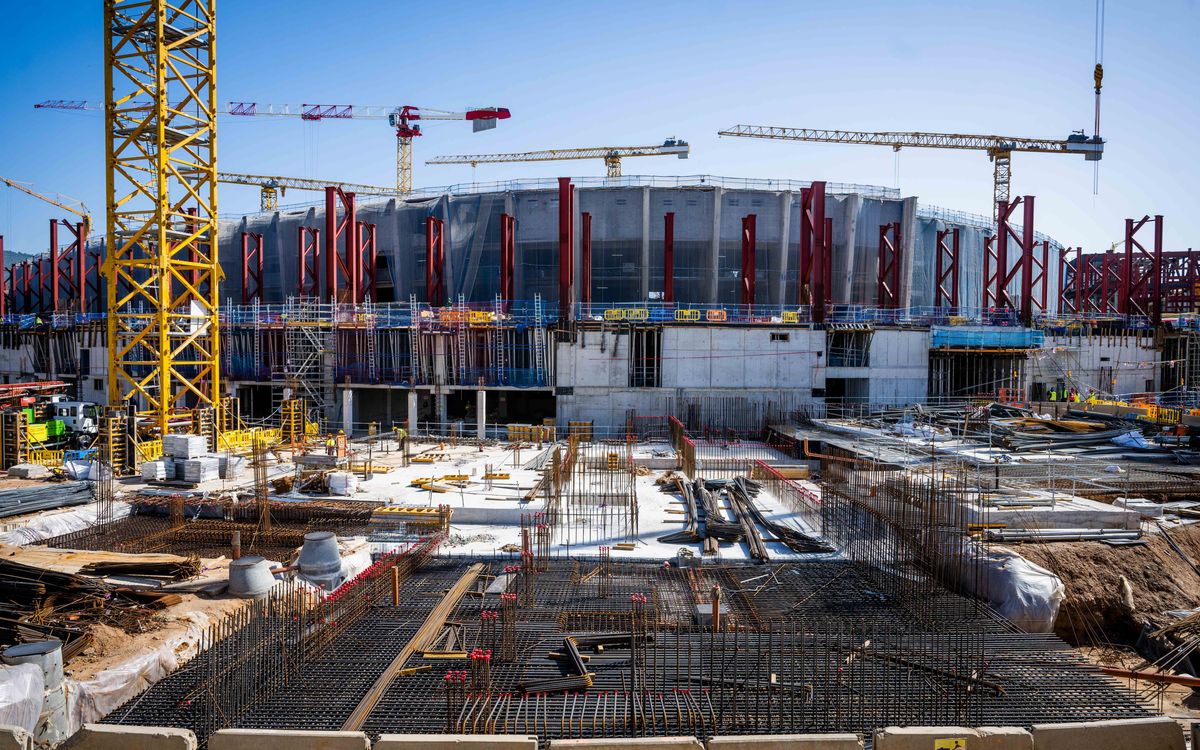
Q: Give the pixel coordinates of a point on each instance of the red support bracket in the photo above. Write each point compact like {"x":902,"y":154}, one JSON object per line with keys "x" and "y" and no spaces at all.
{"x":669,"y":257}
{"x":71,"y":267}
{"x":435,"y":262}
{"x":815,"y":250}
{"x":1039,"y":284}
{"x":1141,"y":277}
{"x":344,"y":267}
{"x":887,"y":280}
{"x":585,"y":261}
{"x":945,"y":285}
{"x":27,"y":305}
{"x":43,"y":284}
{"x":749,"y":247}
{"x":566,"y":246}
{"x":508,"y":259}
{"x":308,"y":262}
{"x":252,"y":267}
{"x":93,"y":283}
{"x":997,"y":280}
{"x":367,"y":280}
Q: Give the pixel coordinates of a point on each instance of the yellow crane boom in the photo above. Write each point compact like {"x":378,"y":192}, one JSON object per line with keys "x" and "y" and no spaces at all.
{"x":611,"y":155}
{"x":271,"y":187}
{"x":68,"y":204}
{"x":999,"y":148}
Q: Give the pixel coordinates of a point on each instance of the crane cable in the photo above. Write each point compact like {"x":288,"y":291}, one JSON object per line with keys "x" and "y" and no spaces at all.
{"x":1098,"y":77}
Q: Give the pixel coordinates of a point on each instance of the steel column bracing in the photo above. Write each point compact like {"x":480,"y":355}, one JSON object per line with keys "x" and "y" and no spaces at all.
{"x":585,"y":272}
{"x":749,"y":248}
{"x":160,"y":121}
{"x":366,"y":259}
{"x":887,"y":280}
{"x":344,"y":267}
{"x":566,"y":246}
{"x":669,"y":256}
{"x":1141,"y":273}
{"x":999,"y":273}
{"x":814,"y":250}
{"x":508,"y":258}
{"x":308,"y":262}
{"x":1070,"y":281}
{"x":1039,"y":284}
{"x":945,"y":285}
{"x":252,"y":267}
{"x":435,"y":261}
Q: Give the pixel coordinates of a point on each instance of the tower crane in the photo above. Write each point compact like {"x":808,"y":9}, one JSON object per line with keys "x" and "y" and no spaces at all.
{"x":999,"y":148}
{"x":70,"y":205}
{"x":403,"y":118}
{"x":271,"y":187}
{"x":611,"y":155}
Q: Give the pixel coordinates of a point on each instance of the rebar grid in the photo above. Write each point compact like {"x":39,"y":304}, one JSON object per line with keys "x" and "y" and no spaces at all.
{"x":592,"y":493}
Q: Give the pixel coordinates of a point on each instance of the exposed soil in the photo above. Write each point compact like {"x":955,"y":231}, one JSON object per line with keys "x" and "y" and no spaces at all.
{"x":1097,"y":608}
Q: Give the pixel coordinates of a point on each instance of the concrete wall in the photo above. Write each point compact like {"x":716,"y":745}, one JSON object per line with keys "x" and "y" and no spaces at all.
{"x":1112,"y":364}
{"x":899,"y":371}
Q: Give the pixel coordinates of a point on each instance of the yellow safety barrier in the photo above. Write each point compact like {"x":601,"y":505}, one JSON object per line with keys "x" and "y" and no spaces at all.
{"x":614,"y":314}
{"x":716,"y":316}
{"x":450,"y":315}
{"x":149,"y":450}
{"x":47,"y":458}
{"x":791,"y":316}
{"x":692,"y":315}
{"x":637,"y":313}
{"x":482,"y":316}
{"x":243,"y":441}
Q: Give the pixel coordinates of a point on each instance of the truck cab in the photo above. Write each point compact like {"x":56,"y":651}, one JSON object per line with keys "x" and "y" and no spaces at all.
{"x":81,"y":419}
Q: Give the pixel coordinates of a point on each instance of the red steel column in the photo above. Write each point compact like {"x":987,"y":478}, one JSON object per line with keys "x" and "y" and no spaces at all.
{"x":1027,"y":263}
{"x":887,"y":281}
{"x":585,"y":273}
{"x":435,"y":257}
{"x":1156,"y":278}
{"x":748,"y":250}
{"x":331,"y":254}
{"x":53,"y":266}
{"x":353,"y":254}
{"x":815,"y":250}
{"x":669,"y":257}
{"x":252,"y":267}
{"x":566,"y":246}
{"x":508,"y":241}
{"x":367,"y":257}
{"x":3,"y":283}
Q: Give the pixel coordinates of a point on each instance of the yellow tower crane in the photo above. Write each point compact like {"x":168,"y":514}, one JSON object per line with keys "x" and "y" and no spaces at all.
{"x":66,"y":203}
{"x":272,"y":187}
{"x":611,"y":155}
{"x":161,"y":157}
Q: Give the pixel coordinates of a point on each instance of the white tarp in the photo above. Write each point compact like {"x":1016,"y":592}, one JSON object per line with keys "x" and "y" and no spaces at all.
{"x":1025,"y":593}
{"x":90,"y":700}
{"x":48,"y":525}
{"x":342,"y":483}
{"x":22,"y":689}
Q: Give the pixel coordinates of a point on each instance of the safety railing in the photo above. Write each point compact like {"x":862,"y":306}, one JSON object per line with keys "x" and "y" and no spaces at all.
{"x":46,"y":457}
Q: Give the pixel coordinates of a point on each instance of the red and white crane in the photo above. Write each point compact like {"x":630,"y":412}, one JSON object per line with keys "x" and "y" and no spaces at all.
{"x":404,"y":118}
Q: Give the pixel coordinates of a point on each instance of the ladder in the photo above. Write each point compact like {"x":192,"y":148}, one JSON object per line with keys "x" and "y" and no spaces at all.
{"x":369,"y":332}
{"x":1191,"y":378}
{"x":539,"y":342}
{"x":461,"y":336}
{"x":415,"y":364}
{"x":498,"y":338}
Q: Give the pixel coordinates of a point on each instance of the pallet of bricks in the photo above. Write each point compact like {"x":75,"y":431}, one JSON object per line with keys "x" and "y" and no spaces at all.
{"x":187,"y":459}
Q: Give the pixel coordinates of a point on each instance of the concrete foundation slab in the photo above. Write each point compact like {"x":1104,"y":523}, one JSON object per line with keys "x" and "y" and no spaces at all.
{"x":788,"y":742}
{"x":1145,"y":734}
{"x":454,"y":742}
{"x":106,"y":737}
{"x":280,"y":739}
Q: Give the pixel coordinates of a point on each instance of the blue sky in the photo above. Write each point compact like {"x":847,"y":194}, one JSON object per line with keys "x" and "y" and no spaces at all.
{"x":617,"y":73}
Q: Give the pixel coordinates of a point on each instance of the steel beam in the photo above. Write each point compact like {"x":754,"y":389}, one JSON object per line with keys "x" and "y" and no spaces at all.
{"x":308,"y":262}
{"x":435,"y":262}
{"x":508,"y":258}
{"x":566,"y":246}
{"x":669,"y":256}
{"x":815,"y":244}
{"x":252,"y":267}
{"x":367,"y":259}
{"x":945,"y":286}
{"x":342,"y":268}
{"x":887,"y":278}
{"x":585,"y":261}
{"x":1141,"y":272}
{"x":749,"y":248}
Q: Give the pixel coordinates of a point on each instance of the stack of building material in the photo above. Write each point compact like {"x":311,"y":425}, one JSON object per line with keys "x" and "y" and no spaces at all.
{"x":200,"y":469}
{"x":231,"y":466}
{"x":185,"y":446}
{"x":23,"y":500}
{"x":158,"y":471}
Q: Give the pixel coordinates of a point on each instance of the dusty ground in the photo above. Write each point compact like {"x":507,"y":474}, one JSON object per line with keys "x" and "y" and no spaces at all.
{"x":1096,"y":610}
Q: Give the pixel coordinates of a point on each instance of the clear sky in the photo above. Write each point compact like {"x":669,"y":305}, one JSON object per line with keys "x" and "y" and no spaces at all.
{"x":631,"y":73}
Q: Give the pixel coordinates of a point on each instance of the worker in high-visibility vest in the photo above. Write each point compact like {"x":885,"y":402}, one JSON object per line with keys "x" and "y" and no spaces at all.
{"x":1053,"y":395}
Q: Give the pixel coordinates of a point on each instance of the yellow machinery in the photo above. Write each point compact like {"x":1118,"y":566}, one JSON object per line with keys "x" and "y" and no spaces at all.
{"x":161,"y":267}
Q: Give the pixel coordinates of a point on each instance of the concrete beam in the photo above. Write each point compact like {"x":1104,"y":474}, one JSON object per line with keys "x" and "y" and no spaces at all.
{"x":481,"y":414}
{"x":788,"y":742}
{"x":1159,"y":733}
{"x":283,"y":739}
{"x":348,"y":411}
{"x":413,"y":399}
{"x":785,"y":223}
{"x":454,"y":742}
{"x":114,"y":737}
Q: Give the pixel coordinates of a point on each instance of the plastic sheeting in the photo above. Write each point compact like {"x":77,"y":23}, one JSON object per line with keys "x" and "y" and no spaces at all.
{"x":1024,"y":593}
{"x":342,"y":483}
{"x":21,"y":695}
{"x":90,"y":700}
{"x":50,"y":525}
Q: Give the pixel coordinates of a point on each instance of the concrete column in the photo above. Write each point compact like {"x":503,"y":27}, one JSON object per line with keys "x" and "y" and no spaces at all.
{"x":714,"y":251}
{"x":785,"y":225}
{"x":481,"y":414}
{"x":440,"y":400}
{"x":348,"y":411}
{"x":413,"y":397}
{"x":908,"y":224}
{"x":646,"y":242}
{"x":843,"y":283}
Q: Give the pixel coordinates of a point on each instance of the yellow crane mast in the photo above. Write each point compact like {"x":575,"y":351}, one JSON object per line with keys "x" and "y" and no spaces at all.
{"x":161,"y":158}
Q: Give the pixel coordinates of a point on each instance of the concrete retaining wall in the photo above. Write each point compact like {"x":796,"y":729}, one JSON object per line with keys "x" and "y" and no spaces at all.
{"x":1144,"y":734}
{"x":279,"y":739}
{"x":13,"y":738}
{"x":455,"y":742}
{"x":638,"y":743}
{"x":787,"y":742}
{"x":105,"y":737}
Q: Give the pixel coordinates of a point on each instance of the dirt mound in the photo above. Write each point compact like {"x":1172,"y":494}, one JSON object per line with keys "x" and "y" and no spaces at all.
{"x":1099,"y":607}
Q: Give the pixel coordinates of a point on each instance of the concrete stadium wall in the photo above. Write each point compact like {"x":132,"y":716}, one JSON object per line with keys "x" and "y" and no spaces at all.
{"x":627,"y":244}
{"x":1112,"y":364}
{"x":1161,"y":733}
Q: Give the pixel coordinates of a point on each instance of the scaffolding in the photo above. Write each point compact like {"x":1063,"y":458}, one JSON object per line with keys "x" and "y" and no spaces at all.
{"x":308,"y":339}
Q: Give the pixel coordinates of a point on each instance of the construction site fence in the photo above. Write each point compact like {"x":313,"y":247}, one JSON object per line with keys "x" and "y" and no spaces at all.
{"x":388,"y":314}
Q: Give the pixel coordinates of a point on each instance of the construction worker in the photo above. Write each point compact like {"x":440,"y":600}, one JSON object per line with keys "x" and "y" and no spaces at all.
{"x":1053,"y":395}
